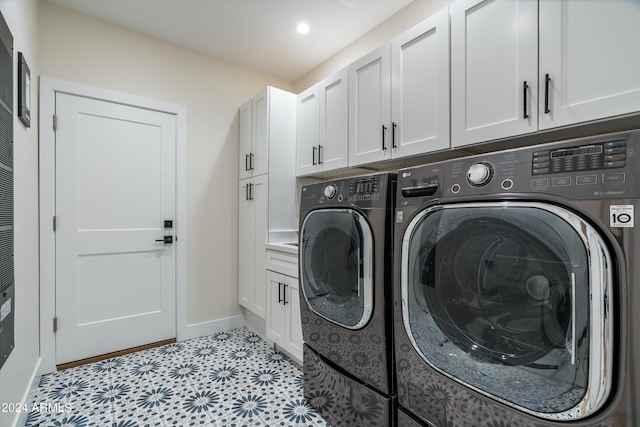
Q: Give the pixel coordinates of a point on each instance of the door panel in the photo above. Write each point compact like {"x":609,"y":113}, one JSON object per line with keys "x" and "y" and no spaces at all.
{"x":370,"y":108}
{"x":589,"y":79}
{"x":420,"y":87}
{"x":497,"y":52}
{"x":115,"y":185}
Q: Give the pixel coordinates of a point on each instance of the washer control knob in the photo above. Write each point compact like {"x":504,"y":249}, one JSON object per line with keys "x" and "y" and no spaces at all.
{"x":480,"y":174}
{"x":330,"y":191}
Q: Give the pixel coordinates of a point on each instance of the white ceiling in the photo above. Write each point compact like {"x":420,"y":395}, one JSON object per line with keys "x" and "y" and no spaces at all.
{"x":260,"y":34}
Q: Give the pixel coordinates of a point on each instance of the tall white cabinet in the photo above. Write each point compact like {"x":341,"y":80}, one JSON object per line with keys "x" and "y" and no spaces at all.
{"x":588,"y":67}
{"x":399,"y":95}
{"x":267,"y":187}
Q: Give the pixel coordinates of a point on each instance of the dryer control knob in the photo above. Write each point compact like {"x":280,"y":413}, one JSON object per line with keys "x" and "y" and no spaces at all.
{"x":330,"y":191}
{"x":480,"y":174}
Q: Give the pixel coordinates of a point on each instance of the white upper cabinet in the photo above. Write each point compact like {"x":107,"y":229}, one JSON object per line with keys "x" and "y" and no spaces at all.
{"x":307,"y":132}
{"x":589,"y":60}
{"x":333,"y":148}
{"x":245,"y":139}
{"x":323,"y":126}
{"x":262,"y":131}
{"x":370,"y":108}
{"x":399,"y":95}
{"x":420,"y":88}
{"x":494,"y":69}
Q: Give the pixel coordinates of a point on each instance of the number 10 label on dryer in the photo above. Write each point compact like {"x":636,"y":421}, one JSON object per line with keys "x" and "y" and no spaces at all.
{"x":621,"y":215}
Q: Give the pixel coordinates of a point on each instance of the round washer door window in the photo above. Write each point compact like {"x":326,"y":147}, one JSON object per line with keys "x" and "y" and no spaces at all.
{"x":511,"y":299}
{"x":336,"y":258}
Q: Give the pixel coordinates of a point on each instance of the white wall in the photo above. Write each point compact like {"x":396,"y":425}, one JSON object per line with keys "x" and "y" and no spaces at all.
{"x":82,"y":49}
{"x":16,"y":374}
{"x":414,"y":13}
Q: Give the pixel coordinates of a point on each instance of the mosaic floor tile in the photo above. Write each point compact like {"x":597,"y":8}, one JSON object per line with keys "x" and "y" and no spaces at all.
{"x":229,"y":379}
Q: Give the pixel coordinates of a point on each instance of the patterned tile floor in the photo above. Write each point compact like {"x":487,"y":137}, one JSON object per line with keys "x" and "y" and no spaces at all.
{"x":228,"y":379}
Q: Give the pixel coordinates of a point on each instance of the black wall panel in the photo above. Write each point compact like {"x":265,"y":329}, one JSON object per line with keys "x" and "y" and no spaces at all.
{"x":7,"y":282}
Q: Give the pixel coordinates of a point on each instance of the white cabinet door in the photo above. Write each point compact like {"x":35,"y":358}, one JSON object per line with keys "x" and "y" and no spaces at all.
{"x":294,"y":340}
{"x":284,"y":325}
{"x":333,"y":149}
{"x":260,"y":136}
{"x":246,"y":233}
{"x":307,"y":133}
{"x":275,"y":308}
{"x":420,"y":88}
{"x":494,"y":69}
{"x":589,"y":51}
{"x":246,"y":123}
{"x":369,"y":108}
{"x":252,"y":241}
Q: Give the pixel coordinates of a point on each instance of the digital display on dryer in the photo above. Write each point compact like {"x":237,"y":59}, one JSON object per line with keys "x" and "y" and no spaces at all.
{"x":368,"y":185}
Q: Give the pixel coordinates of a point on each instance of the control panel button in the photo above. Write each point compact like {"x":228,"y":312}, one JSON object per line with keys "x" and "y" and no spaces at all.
{"x":507,"y":184}
{"x":613,"y":177}
{"x":586,"y":179}
{"x":562,"y":181}
{"x":330,"y":191}
{"x":480,"y":174}
{"x":455,"y":188}
{"x":539,"y":183}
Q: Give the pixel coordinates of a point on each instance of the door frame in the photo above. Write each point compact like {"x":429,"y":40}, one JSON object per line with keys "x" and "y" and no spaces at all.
{"x":48,"y":89}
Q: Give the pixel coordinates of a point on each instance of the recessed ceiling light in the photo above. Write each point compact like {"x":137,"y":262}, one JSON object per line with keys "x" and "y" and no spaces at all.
{"x":302,"y":28}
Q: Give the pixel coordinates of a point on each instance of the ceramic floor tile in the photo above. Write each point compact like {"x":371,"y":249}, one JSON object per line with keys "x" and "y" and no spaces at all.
{"x":228,"y":379}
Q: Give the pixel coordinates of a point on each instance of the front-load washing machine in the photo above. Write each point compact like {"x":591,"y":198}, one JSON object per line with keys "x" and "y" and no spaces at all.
{"x":518,"y":287}
{"x":345,"y":255}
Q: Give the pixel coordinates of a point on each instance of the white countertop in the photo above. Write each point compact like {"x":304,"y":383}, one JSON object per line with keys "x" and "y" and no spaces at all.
{"x":283,"y":247}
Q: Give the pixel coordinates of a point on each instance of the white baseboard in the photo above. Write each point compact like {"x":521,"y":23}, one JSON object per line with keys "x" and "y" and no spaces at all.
{"x":214,"y":326}
{"x":28,"y":393}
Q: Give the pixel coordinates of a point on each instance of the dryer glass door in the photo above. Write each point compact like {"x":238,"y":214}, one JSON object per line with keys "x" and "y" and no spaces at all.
{"x":336,"y":254}
{"x":511,"y":299}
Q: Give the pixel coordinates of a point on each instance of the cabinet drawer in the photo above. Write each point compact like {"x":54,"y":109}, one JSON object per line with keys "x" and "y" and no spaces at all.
{"x":282,"y":262}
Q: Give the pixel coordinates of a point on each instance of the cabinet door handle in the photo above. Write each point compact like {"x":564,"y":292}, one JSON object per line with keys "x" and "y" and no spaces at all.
{"x":246,"y":192}
{"x":320,"y":152}
{"x":314,"y":155}
{"x":524,"y":96}
{"x":250,"y":191}
{"x":547,"y":80}
{"x":284,"y":294}
{"x":246,"y":162}
{"x":279,"y":292}
{"x":251,"y":161}
{"x":393,"y":135}
{"x":384,"y":130}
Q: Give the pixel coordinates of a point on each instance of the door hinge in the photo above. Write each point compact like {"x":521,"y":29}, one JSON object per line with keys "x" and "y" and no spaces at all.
{"x":55,"y":325}
{"x":55,"y":122}
{"x":54,"y":223}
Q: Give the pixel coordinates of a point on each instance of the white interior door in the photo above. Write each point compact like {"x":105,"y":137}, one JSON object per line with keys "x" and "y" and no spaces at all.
{"x":115,"y":186}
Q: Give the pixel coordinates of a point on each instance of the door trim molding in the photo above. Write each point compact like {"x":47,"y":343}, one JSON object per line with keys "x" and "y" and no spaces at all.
{"x":48,"y":89}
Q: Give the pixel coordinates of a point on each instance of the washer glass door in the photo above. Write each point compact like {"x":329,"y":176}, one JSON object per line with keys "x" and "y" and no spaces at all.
{"x":336,"y":253}
{"x":511,"y":299}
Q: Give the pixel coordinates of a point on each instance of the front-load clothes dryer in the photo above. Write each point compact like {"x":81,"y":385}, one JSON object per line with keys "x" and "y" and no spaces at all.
{"x":345,"y":253}
{"x":517,"y":287}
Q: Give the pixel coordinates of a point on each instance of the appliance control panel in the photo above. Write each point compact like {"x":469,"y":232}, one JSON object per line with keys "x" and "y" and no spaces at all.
{"x":588,"y":168}
{"x":605,"y":155}
{"x":364,"y":191}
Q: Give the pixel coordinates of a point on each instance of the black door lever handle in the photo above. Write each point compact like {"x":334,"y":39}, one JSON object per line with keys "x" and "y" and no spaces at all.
{"x":166,"y":240}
